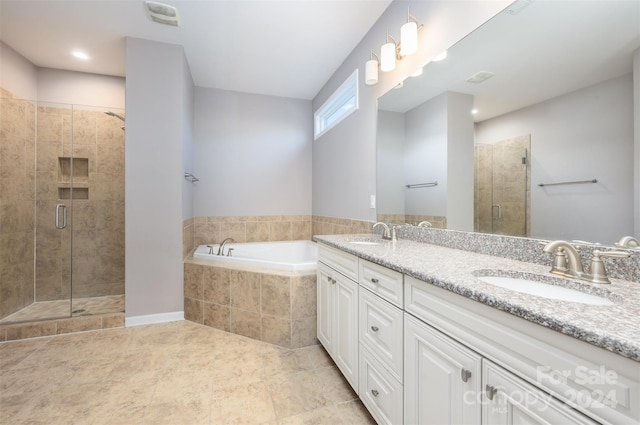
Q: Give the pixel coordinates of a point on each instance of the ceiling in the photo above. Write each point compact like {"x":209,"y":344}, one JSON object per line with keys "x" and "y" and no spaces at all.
{"x":549,"y":48}
{"x":287,"y":48}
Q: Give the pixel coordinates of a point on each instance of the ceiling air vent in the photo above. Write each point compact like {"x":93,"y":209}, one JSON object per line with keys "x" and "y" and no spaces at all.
{"x":162,"y":13}
{"x":479,"y":77}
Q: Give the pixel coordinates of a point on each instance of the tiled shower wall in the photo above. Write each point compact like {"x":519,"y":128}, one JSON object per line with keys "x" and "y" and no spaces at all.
{"x":17,"y":193}
{"x":203,"y":230}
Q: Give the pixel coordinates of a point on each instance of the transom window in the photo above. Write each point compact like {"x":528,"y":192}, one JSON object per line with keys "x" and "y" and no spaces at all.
{"x":340,"y":105}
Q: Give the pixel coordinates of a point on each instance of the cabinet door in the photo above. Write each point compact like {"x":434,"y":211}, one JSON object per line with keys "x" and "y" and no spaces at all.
{"x":511,"y":400}
{"x":442,"y":378}
{"x":325,"y":313}
{"x":345,"y":343}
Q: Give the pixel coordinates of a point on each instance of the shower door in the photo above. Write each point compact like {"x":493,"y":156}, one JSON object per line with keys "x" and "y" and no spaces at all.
{"x":54,"y":211}
{"x":502,"y":193}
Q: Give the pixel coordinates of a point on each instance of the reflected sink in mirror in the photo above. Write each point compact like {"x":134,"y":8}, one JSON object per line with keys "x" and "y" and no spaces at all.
{"x":365,"y":241}
{"x":531,"y":286}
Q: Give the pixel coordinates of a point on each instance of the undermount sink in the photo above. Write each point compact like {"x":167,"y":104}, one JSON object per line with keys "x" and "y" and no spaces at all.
{"x":546,"y":290}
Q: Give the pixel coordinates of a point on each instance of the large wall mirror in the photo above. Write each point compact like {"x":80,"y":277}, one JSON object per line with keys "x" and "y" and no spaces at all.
{"x":548,"y":151}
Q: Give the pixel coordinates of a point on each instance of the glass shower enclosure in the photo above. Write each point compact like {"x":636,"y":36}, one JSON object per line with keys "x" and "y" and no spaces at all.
{"x":61,"y":210}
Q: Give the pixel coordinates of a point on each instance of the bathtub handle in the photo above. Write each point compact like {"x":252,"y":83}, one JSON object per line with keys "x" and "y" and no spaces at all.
{"x":229,"y":252}
{"x":62,"y":207}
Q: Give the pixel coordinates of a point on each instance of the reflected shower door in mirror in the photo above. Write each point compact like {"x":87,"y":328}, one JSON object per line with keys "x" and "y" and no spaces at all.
{"x":570,"y":86}
{"x":502,"y":190}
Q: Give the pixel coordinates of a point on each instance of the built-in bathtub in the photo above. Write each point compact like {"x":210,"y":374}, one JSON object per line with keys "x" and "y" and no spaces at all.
{"x":264,"y":290}
{"x":281,"y":255}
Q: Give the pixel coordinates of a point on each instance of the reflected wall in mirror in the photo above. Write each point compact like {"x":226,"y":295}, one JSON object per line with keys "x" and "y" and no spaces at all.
{"x":560,"y":73}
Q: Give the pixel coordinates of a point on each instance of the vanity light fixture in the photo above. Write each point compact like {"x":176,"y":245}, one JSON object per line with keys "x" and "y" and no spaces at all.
{"x":371,"y":70}
{"x":418,"y":72}
{"x":392,"y":51}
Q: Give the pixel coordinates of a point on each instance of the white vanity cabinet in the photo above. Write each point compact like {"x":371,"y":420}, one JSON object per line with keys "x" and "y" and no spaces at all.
{"x":531,"y":374}
{"x":420,"y":354}
{"x":337,"y":316}
{"x":442,"y":378}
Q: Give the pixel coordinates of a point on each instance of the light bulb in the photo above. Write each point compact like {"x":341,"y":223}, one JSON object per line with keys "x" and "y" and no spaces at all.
{"x":388,"y":57}
{"x":409,"y":38}
{"x":371,"y":72}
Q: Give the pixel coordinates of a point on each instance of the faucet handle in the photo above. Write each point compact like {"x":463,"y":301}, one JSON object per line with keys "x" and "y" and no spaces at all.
{"x":598,"y":272}
{"x":560,"y":264}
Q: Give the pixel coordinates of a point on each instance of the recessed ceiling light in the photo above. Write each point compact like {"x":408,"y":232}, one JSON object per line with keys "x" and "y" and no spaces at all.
{"x":80,"y":55}
{"x":440,"y":57}
{"x":418,"y":72}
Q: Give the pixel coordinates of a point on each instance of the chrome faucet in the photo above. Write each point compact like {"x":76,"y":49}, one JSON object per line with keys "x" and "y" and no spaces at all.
{"x":571,"y":265}
{"x":224,"y":242}
{"x":386,"y":234}
{"x":425,"y":223}
{"x":628,"y":242}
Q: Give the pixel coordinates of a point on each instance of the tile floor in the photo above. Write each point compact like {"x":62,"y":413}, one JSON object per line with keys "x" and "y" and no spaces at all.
{"x":63,"y":308}
{"x":179,"y":373}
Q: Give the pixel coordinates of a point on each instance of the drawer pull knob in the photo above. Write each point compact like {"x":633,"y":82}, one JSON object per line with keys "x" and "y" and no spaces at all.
{"x":465,"y":375}
{"x":375,"y":393}
{"x":490,"y":391}
{"x":374,"y":328}
{"x":374,"y":280}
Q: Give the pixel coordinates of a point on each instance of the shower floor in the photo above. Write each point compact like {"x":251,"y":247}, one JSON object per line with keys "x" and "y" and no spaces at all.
{"x":61,"y":308}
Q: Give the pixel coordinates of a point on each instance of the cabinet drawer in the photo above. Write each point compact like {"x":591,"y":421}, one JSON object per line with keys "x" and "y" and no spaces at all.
{"x":346,"y":264}
{"x":379,"y":391}
{"x":382,"y":281}
{"x":381,"y":332}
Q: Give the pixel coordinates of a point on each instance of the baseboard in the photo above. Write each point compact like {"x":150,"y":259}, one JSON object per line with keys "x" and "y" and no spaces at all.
{"x":151,"y":319}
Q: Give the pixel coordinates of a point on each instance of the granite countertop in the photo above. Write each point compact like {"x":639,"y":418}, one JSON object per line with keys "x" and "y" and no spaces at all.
{"x":613,"y":327}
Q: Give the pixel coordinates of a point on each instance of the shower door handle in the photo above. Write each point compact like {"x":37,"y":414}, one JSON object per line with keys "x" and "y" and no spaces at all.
{"x":60,"y":207}
{"x":499,"y":207}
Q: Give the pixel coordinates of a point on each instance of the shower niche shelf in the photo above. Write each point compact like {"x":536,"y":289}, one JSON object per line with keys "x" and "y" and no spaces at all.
{"x":75,"y":193}
{"x":73,"y":169}
{"x":73,"y":172}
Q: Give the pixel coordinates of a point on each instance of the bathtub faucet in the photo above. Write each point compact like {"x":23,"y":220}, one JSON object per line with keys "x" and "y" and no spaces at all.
{"x":222,"y":244}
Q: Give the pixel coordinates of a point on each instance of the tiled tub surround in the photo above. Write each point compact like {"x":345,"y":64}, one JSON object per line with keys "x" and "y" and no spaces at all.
{"x":212,"y":230}
{"x":613,"y":328}
{"x":272,"y":306}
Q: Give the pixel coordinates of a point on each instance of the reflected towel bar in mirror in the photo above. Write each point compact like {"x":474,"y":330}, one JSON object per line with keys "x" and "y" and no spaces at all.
{"x":415,"y":186}
{"x":576,"y":182}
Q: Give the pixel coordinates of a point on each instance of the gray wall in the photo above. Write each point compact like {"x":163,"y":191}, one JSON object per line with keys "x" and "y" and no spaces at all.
{"x":344,"y":158}
{"x":252,"y":154}
{"x":17,"y":74}
{"x":582,"y":135}
{"x":80,"y":88}
{"x":157,"y":108}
